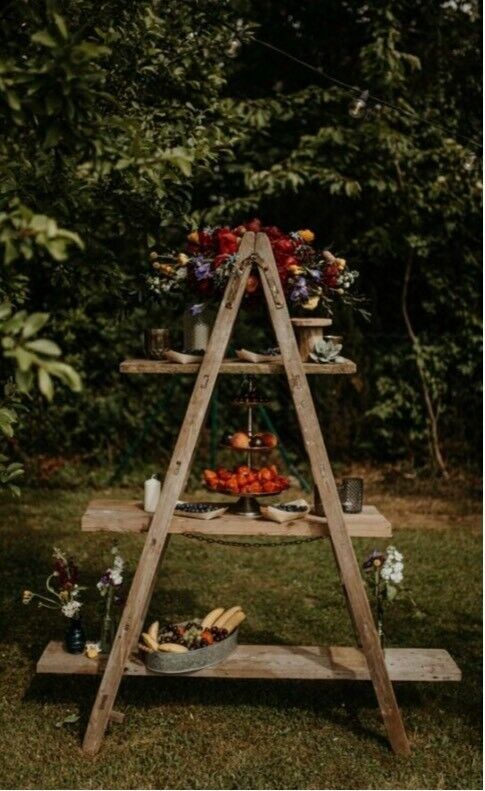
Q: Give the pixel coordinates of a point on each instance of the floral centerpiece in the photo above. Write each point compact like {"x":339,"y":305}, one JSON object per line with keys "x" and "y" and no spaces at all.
{"x":64,"y":590}
{"x":312,"y":279}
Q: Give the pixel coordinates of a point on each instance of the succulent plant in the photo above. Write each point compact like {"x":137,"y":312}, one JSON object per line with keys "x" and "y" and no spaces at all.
{"x":326,"y":351}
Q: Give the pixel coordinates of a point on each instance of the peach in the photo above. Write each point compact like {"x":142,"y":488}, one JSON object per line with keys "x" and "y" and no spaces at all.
{"x":240,"y":440}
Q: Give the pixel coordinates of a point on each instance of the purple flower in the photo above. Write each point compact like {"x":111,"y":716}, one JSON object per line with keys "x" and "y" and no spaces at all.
{"x":202,"y":268}
{"x":196,"y":310}
{"x":300,"y":290}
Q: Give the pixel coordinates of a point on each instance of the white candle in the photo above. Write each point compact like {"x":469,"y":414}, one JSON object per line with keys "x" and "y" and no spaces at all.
{"x":152,"y":494}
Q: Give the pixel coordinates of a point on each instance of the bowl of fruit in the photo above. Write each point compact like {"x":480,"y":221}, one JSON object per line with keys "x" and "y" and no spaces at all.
{"x":192,"y":645}
{"x":245,"y":480}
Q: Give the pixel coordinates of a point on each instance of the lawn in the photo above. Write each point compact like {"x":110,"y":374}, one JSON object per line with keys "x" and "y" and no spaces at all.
{"x":195,"y":733}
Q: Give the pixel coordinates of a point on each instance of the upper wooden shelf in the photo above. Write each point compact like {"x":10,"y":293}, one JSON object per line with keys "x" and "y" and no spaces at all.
{"x":232,"y":367}
{"x":128,"y":516}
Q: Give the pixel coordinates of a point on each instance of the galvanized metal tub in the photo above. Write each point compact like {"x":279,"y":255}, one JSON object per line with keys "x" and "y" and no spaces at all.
{"x":191,"y":661}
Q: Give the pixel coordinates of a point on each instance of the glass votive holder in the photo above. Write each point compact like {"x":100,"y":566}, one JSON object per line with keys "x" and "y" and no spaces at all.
{"x":351,"y":493}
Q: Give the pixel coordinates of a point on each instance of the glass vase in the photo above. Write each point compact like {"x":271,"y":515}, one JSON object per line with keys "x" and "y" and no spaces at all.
{"x":108,"y":632}
{"x":74,"y":638}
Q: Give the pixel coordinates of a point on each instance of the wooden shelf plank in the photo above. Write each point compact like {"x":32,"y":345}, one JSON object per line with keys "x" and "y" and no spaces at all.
{"x":281,"y":662}
{"x":128,"y":516}
{"x":232,"y":367}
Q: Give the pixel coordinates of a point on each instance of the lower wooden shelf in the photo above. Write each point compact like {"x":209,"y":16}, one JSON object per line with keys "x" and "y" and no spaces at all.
{"x":128,"y":516}
{"x":281,"y":662}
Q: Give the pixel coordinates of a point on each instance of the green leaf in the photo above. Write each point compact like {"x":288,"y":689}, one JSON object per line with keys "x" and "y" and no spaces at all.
{"x":24,"y":380}
{"x":61,"y":26}
{"x":46,"y":386}
{"x":44,"y":38}
{"x":43,"y":346}
{"x":33,"y":324}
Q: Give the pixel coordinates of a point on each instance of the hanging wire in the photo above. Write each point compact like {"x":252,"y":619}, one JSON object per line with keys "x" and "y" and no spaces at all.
{"x":357,"y":92}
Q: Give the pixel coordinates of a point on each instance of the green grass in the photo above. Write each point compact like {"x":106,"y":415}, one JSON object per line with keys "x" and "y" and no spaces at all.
{"x":195,"y":733}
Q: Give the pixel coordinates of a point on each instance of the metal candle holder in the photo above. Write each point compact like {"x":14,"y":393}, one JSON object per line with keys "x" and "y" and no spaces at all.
{"x":351,"y":494}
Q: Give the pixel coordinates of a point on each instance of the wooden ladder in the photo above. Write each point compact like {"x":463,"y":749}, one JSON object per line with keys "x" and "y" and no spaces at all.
{"x":254,"y":252}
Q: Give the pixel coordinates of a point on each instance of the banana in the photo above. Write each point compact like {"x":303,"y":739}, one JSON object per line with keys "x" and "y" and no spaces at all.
{"x":234,"y":621}
{"x":173,"y":648}
{"x":153,"y":630}
{"x":212,"y":617}
{"x":149,"y":641}
{"x":224,"y":618}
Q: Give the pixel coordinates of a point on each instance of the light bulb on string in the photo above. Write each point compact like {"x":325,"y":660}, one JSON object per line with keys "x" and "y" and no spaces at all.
{"x":358,"y":107}
{"x":470,"y":162}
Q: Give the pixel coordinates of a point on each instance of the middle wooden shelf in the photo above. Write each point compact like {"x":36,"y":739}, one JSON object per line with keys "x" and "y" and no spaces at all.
{"x":128,"y":516}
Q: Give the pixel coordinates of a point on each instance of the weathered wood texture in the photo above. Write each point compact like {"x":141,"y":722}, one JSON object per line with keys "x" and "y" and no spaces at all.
{"x":173,"y":485}
{"x":232,"y":367}
{"x":128,"y":516}
{"x":325,"y":483}
{"x":280,"y":662}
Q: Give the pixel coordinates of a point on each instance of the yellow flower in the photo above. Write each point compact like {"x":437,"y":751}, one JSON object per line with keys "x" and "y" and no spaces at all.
{"x":295,"y":270}
{"x":182,"y":259}
{"x":193,"y":237}
{"x":307,"y":235}
{"x":27,"y":597}
{"x":341,"y":263}
{"x":167,"y":269}
{"x":311,"y":303}
{"x":92,"y":650}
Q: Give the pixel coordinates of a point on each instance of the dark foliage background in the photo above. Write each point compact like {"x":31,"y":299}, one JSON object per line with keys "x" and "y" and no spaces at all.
{"x":129,"y":123}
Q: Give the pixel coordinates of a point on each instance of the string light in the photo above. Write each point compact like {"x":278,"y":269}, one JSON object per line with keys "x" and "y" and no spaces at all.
{"x":358,"y":107}
{"x":358,"y":93}
{"x":470,"y":162}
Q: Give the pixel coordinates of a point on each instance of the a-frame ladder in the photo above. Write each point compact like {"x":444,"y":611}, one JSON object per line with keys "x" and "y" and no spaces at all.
{"x":254,"y":250}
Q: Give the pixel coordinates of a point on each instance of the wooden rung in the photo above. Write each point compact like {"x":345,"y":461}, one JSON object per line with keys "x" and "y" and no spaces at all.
{"x":281,"y":662}
{"x":128,"y":516}
{"x":233,"y":367}
{"x":116,"y":716}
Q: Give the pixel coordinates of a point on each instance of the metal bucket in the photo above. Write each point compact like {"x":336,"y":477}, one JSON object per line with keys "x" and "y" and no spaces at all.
{"x":191,"y":661}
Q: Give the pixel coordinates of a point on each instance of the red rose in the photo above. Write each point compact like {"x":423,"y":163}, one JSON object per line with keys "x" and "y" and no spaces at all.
{"x":219,"y":260}
{"x":273,"y":232}
{"x":289,"y":260}
{"x":331,"y":276}
{"x":283,"y":247}
{"x":226,"y":241}
{"x":254,"y":225}
{"x":252,"y":285}
{"x":205,"y":241}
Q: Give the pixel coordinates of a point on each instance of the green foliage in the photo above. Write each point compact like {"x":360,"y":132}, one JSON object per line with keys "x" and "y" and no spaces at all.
{"x":124,"y":124}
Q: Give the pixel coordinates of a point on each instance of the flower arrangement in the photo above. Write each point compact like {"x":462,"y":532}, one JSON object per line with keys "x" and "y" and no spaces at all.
{"x":312,"y":279}
{"x":62,"y":586}
{"x":109,"y":587}
{"x":387,"y":570}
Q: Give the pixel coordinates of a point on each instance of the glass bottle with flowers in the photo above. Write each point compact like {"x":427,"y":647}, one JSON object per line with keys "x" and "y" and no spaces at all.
{"x":387,"y":570}
{"x":63,"y":589}
{"x":109,"y":587}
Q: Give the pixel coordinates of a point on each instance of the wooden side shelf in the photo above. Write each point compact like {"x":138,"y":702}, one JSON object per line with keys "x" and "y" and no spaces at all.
{"x":280,"y":662}
{"x":128,"y":516}
{"x":232,"y":367}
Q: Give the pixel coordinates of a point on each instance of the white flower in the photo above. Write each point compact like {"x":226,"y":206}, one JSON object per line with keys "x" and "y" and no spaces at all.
{"x":71,"y":609}
{"x":116,"y":577}
{"x":386,"y":572}
{"x":396,"y":577}
{"x":398,"y":566}
{"x":118,"y":563}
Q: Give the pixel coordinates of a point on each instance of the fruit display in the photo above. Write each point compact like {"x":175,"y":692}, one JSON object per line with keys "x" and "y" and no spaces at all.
{"x":246,"y":480}
{"x":180,"y":638}
{"x":242,"y":440}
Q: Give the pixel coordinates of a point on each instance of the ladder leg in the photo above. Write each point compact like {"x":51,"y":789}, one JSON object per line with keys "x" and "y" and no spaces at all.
{"x":324,"y":480}
{"x":143,"y":581}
